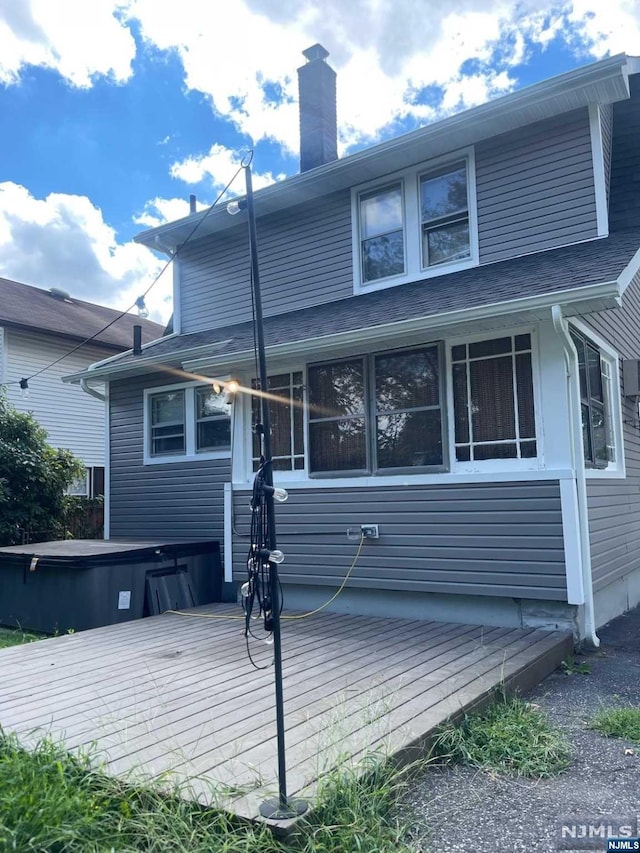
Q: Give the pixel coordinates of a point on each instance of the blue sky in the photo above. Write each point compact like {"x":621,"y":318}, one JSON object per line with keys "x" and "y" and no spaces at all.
{"x":114,"y":111}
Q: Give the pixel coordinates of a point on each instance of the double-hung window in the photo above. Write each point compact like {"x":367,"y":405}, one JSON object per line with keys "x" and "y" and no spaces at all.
{"x":419,"y":223}
{"x":382,"y":233}
{"x":595,"y":403}
{"x":376,"y":413}
{"x":186,"y":421}
{"x":167,"y":423}
{"x":444,"y":211}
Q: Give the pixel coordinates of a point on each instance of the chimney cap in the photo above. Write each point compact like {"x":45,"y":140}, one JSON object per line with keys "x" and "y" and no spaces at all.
{"x":316,"y":51}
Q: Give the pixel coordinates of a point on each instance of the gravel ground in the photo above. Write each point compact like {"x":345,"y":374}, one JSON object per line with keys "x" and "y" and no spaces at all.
{"x":463,"y":809}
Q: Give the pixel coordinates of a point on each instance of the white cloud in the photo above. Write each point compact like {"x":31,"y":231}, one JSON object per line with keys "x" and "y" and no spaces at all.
{"x":63,"y":241}
{"x":78,"y":38}
{"x":161,"y":210}
{"x":385,"y":51}
{"x":219,"y":165}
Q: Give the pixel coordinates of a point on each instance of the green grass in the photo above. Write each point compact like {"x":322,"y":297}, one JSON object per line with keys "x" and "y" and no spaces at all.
{"x":15,"y":637}
{"x":53,"y":803}
{"x":511,"y":736}
{"x":618,"y":722}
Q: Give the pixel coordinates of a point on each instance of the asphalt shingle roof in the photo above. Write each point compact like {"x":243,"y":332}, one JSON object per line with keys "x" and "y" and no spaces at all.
{"x":569,"y":267}
{"x":33,"y":308}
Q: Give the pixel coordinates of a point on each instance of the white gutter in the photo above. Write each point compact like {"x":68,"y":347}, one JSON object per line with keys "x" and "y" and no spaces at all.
{"x":577,"y":463}
{"x":91,"y":391}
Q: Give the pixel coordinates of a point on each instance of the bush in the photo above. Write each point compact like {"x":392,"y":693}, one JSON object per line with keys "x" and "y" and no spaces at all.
{"x":33,"y":476}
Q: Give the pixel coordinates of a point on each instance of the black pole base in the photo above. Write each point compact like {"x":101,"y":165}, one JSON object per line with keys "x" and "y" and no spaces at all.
{"x":274,"y":810}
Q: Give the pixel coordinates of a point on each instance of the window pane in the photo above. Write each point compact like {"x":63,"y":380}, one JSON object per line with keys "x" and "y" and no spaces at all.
{"x":214,"y":434}
{"x":495,"y":451}
{"x":446,"y":243}
{"x":409,"y":439}
{"x":582,"y":369}
{"x":496,"y":346}
{"x":209,"y":404}
{"x":167,"y":408}
{"x":337,"y":389}
{"x":586,"y":433}
{"x":338,"y":445}
{"x":528,"y":450}
{"x":444,"y":195}
{"x":459,"y":352}
{"x":524,"y":381}
{"x":383,"y":256}
{"x":298,"y":421}
{"x":492,"y":403}
{"x":599,"y":433}
{"x":463,"y":454}
{"x":595,"y":374}
{"x":522,"y":342}
{"x":167,"y":445}
{"x":381,"y":211}
{"x":280,"y":417}
{"x":407,"y":380}
{"x":460,"y":408}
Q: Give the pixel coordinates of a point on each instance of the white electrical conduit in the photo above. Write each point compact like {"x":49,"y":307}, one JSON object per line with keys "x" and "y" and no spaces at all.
{"x":577,"y":463}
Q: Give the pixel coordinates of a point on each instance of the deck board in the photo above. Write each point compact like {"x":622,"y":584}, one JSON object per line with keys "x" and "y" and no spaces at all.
{"x":175,"y":698}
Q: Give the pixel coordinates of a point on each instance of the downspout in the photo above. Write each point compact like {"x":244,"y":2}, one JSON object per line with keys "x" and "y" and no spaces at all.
{"x":577,"y":463}
{"x":91,"y":391}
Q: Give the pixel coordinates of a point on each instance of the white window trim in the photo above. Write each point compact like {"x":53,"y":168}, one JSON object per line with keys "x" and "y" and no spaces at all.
{"x":614,"y":470}
{"x":190,"y":453}
{"x":599,"y":181}
{"x":410,"y":184}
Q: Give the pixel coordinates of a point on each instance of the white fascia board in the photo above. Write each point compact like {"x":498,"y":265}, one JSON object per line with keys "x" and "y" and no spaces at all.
{"x":629,"y":272}
{"x":605,"y":291}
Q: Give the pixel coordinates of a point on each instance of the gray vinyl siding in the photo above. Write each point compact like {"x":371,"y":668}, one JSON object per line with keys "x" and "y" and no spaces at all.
{"x":614,"y":505}
{"x":624,"y":210}
{"x":535,"y":188}
{"x":181,"y":501}
{"x":305,"y":259}
{"x":606,"y":130}
{"x":481,"y":539}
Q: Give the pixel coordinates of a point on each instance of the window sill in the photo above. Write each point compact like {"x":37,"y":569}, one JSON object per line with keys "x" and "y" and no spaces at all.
{"x":186,"y":457}
{"x":408,"y":480}
{"x":614,"y":472}
{"x":418,"y":275}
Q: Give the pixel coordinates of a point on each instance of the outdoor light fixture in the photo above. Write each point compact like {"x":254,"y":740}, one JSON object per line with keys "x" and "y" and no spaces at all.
{"x":24,"y":388}
{"x":234,"y":207}
{"x":143,"y":311}
{"x":280,"y":495}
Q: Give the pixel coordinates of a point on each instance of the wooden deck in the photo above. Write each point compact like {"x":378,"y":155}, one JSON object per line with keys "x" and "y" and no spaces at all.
{"x":174,"y":698}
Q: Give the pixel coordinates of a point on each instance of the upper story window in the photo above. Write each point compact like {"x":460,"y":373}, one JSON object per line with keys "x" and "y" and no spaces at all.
{"x":444,"y":212}
{"x":189,"y":420}
{"x":417,"y":224}
{"x":596,"y":403}
{"x":382,"y":233}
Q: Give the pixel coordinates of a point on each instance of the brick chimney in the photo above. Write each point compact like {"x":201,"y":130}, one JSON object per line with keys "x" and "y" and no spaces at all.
{"x":318,"y":123}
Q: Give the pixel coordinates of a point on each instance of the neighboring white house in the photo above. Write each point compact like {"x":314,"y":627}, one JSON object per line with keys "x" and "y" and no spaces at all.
{"x":38,"y":327}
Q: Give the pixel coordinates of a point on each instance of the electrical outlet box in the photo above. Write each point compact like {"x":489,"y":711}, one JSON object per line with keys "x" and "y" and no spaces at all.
{"x":370,"y":531}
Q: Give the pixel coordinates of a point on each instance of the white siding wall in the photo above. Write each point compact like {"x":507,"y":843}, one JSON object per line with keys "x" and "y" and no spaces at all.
{"x":73,"y":419}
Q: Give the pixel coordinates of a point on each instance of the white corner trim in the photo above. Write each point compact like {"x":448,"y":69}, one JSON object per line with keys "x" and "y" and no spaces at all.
{"x":571,"y":536}
{"x":177,"y":297}
{"x":228,"y":533}
{"x":107,"y":464}
{"x":599,"y":180}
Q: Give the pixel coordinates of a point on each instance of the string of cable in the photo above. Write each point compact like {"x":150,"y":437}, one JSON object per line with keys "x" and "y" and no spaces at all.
{"x":256,"y":591}
{"x":171,"y":258}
